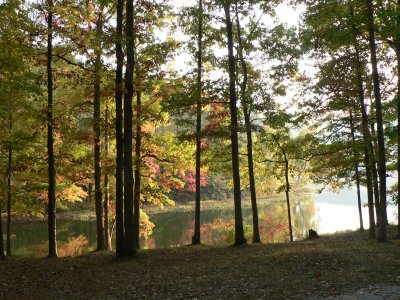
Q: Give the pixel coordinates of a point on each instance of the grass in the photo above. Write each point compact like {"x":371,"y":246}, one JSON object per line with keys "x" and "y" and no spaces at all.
{"x":82,"y":215}
{"x":329,"y":266}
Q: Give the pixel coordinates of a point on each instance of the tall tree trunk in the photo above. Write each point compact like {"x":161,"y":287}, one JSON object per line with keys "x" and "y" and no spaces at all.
{"x":101,"y":245}
{"x":89,"y":198}
{"x":51,"y":209}
{"x":138,"y":150}
{"x":2,"y":256}
{"x":129,"y":224}
{"x":9,"y":174}
{"x":106,"y":185}
{"x":368,"y":161}
{"x":287,"y":191}
{"x":196,"y":239}
{"x":246,"y":111}
{"x":382,"y":235}
{"x":365,"y":129}
{"x":374,"y":150}
{"x":287,"y":185}
{"x":397,"y":48}
{"x":398,"y":129}
{"x":119,"y":181}
{"x":239,"y":231}
{"x":353,"y":138}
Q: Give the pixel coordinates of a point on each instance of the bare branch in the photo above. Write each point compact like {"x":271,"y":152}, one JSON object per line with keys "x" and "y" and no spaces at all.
{"x":70,"y":62}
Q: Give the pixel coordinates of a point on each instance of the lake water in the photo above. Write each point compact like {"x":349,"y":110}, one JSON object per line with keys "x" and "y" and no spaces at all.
{"x":328,"y":213}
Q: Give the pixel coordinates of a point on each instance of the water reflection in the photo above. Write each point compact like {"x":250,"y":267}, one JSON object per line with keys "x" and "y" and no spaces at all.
{"x":176,"y":228}
{"x":73,"y":238}
{"x":171,"y":229}
{"x":73,"y":247}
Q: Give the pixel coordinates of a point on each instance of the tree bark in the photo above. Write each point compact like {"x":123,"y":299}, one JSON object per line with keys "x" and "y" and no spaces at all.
{"x":138,"y":150}
{"x":353,"y":138}
{"x":106,"y":185}
{"x":397,"y":43}
{"x":398,"y":133}
{"x":9,"y":174}
{"x":89,"y":199}
{"x":287,"y":191}
{"x":51,"y":209}
{"x":374,"y":149}
{"x":246,"y":112}
{"x":196,"y":239}
{"x":382,"y":234}
{"x":239,"y":231}
{"x":119,"y":188}
{"x":101,"y":244}
{"x":129,"y":224}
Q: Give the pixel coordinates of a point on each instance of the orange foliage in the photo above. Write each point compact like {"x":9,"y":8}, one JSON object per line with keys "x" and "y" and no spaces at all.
{"x":75,"y":246}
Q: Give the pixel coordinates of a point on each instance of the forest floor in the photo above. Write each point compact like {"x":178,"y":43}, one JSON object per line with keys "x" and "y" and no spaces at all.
{"x":340,"y":266}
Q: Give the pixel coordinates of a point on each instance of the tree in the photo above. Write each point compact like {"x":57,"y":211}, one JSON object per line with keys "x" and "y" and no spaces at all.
{"x":129,"y":224}
{"x":382,"y":235}
{"x":106,"y":202}
{"x":368,"y":149}
{"x":119,"y":90}
{"x":196,"y":239}
{"x":356,"y":168}
{"x":397,"y":46}
{"x":287,"y":184}
{"x":239,"y":232}
{"x":292,"y":152}
{"x":9,"y":175}
{"x":98,"y":195}
{"x":389,"y":19}
{"x":89,"y":41}
{"x":138,"y":154}
{"x":246,"y":112}
{"x":151,"y":54}
{"x":51,"y":210}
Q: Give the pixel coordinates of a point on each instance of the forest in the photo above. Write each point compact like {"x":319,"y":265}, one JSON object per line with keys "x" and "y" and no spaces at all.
{"x":213,"y":121}
{"x":123,"y":105}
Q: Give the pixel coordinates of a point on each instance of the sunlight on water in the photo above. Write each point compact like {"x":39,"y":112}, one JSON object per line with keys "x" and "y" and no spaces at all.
{"x":336,"y":217}
{"x":339,"y":211}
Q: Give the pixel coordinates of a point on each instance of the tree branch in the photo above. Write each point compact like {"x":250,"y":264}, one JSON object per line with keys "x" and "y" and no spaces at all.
{"x":157,"y":157}
{"x":70,"y":62}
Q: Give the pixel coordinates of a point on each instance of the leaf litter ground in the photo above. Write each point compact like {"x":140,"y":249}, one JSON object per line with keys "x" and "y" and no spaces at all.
{"x":337,"y":266}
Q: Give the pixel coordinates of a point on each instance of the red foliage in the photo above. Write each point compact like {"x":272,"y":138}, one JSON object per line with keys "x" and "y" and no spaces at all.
{"x":217,"y":116}
{"x":173,"y":185}
{"x":153,"y":167}
{"x":270,"y":227}
{"x":203,"y":144}
{"x":190,"y":180}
